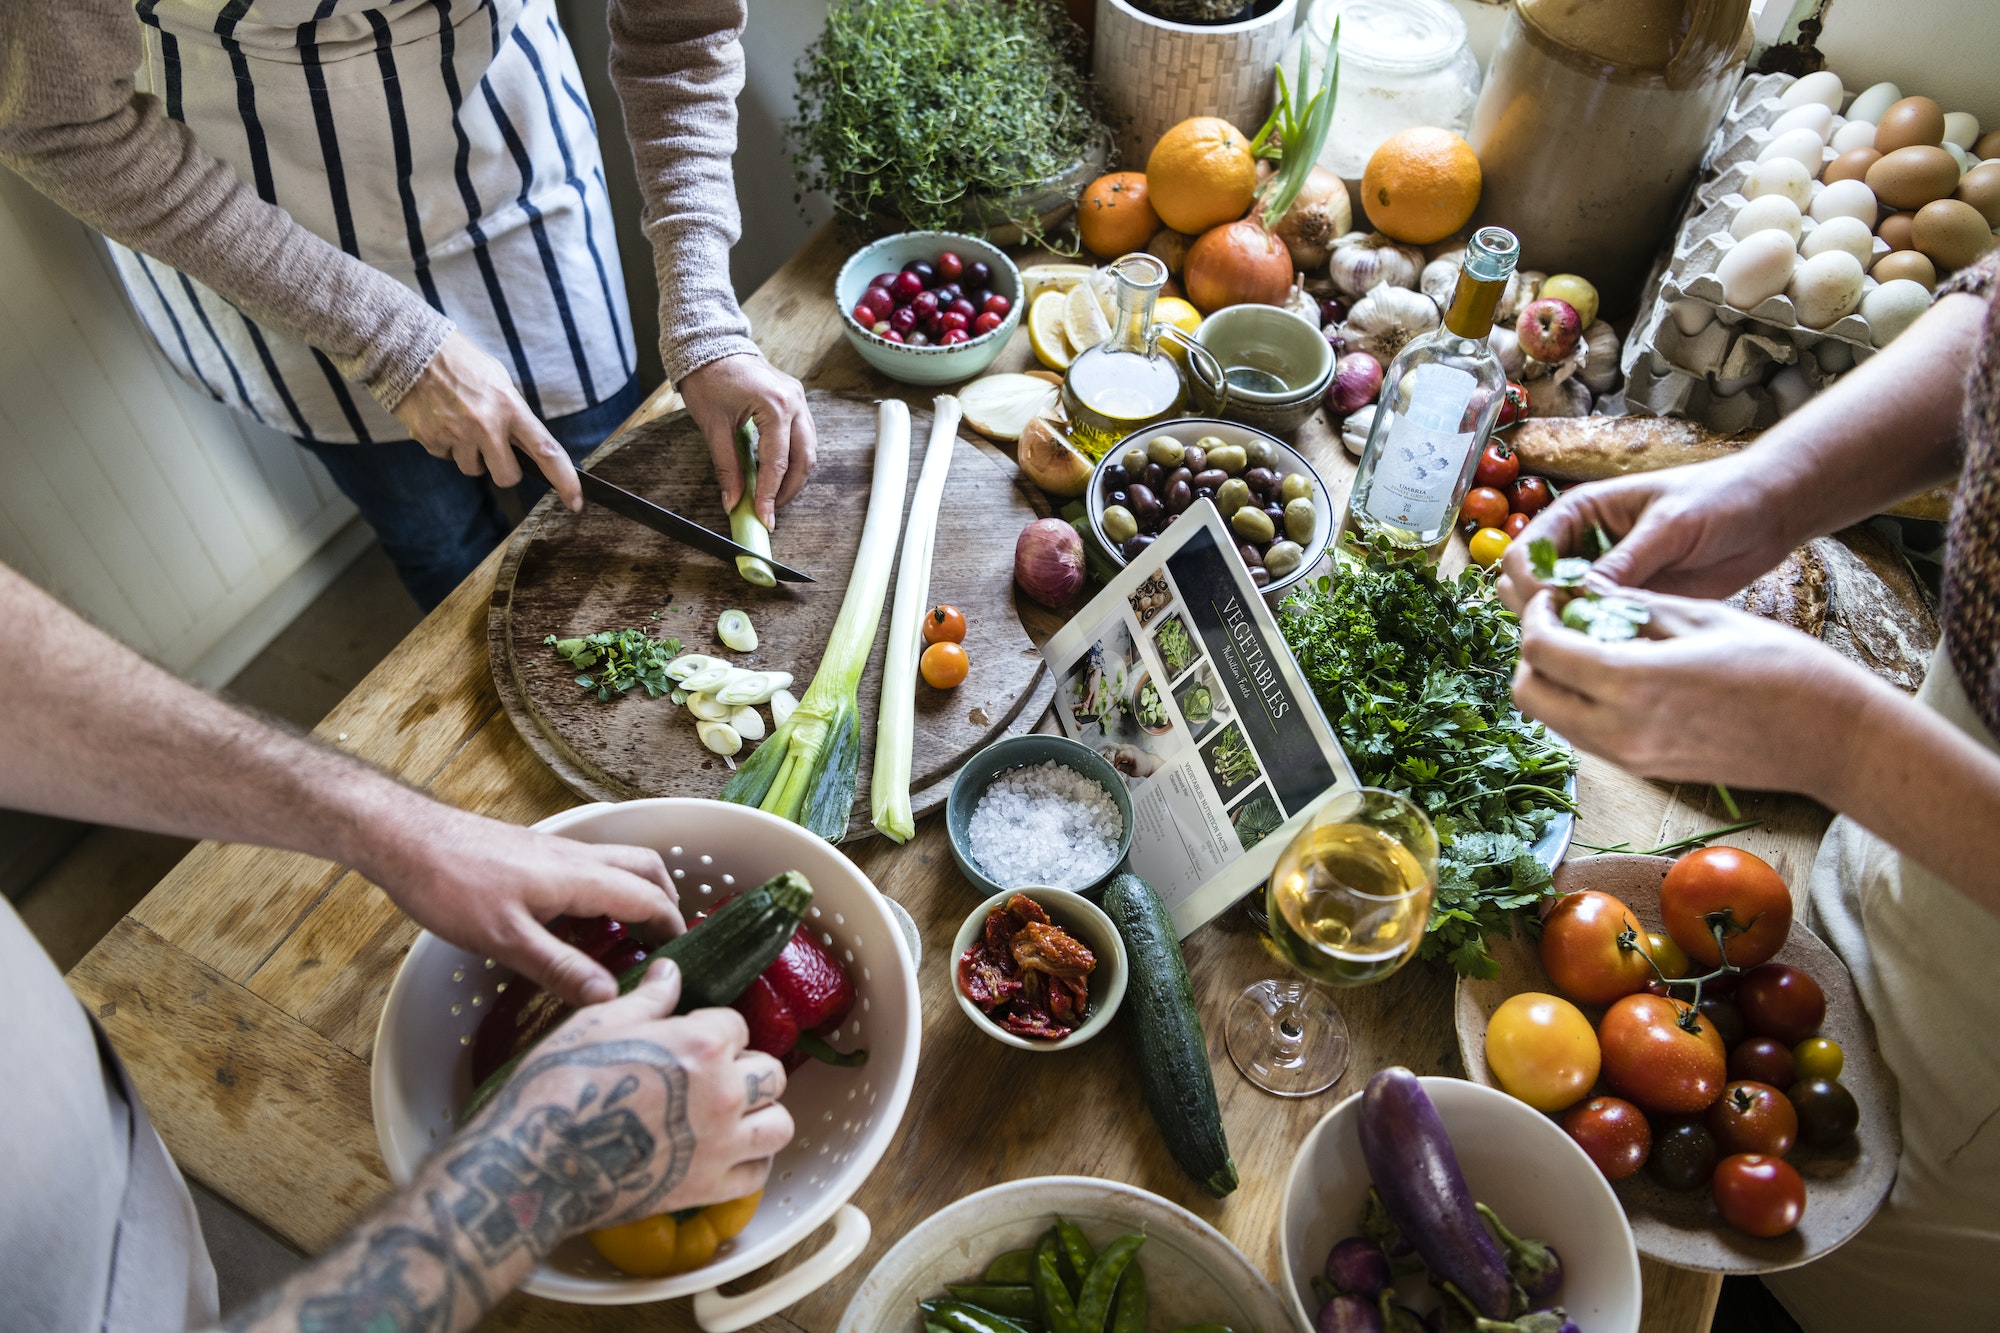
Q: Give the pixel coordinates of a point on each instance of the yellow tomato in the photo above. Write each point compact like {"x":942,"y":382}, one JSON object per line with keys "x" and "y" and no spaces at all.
{"x":1671,"y":958}
{"x":1819,"y":1057}
{"x":644,"y":1248}
{"x":1487,"y":546}
{"x":730,"y":1218}
{"x":1542,"y":1050}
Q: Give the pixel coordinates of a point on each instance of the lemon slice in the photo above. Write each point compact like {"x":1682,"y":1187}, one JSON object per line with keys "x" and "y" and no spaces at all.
{"x":1045,"y":330}
{"x":1183,"y":316}
{"x":1106,"y":286}
{"x":1053,"y":277}
{"x":1084,"y":320}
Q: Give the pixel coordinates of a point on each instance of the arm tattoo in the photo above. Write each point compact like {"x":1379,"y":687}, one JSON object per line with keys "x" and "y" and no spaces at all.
{"x":538,"y":1170}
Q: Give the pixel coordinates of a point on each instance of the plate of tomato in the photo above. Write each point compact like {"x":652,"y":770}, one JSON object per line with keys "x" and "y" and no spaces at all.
{"x":1753,"y":1133}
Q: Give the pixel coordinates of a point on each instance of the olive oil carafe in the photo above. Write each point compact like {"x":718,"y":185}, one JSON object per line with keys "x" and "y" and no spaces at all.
{"x":1127,"y":382}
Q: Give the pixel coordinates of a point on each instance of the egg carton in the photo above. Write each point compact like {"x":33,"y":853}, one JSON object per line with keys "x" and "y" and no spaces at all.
{"x":1743,"y":397}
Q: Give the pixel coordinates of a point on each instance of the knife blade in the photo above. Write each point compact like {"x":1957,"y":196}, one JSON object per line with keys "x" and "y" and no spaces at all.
{"x":665,"y":521}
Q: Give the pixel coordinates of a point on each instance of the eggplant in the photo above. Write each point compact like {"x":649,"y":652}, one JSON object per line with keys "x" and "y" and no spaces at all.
{"x":1348,"y":1313}
{"x":1534,"y":1265}
{"x":1398,"y":1318}
{"x":1359,"y":1266}
{"x":1411,"y":1161}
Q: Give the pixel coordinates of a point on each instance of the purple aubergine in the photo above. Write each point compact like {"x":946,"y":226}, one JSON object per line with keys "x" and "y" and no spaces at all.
{"x":1546,"y":1321}
{"x":1358,"y":1265}
{"x":1534,"y":1265}
{"x":1398,"y":1318}
{"x":1411,"y":1161}
{"x":1349,"y":1314}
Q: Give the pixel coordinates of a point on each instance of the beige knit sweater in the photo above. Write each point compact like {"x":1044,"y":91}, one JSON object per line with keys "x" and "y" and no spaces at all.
{"x":73,"y":125}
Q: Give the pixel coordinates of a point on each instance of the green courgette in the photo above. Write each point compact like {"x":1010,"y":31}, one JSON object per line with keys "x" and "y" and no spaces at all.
{"x":1166,"y":1035}
{"x":718,"y":960}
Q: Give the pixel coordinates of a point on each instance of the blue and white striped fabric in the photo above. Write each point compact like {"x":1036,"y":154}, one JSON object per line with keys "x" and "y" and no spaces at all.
{"x":445,"y":142}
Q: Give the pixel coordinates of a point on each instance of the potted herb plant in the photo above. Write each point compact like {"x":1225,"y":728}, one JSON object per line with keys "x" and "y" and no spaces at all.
{"x":1157,"y":62}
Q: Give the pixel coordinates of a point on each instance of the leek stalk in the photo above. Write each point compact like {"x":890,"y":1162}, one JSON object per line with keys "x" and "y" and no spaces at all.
{"x":896,"y":722}
{"x":744,"y":525}
{"x":806,"y":771}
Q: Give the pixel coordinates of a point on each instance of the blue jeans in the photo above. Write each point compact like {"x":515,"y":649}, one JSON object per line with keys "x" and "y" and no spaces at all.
{"x":435,"y":523}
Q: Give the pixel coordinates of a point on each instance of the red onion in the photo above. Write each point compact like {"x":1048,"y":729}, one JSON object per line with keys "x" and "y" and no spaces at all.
{"x":1048,"y":562}
{"x":1357,"y":378}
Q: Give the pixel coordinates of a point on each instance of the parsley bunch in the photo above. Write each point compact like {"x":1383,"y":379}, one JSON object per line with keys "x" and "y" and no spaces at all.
{"x":1414,"y":674}
{"x":622,"y":658}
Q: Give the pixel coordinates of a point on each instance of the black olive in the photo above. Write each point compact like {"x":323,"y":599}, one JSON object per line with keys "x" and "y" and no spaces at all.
{"x":1204,"y":492}
{"x":1169,"y":521}
{"x":1179,"y":496}
{"x":1180,"y":474}
{"x":1117,"y":498}
{"x":1276,"y":512}
{"x":1262,"y":480}
{"x":1210,"y":477}
{"x":1142,"y":502}
{"x":1261,"y":576}
{"x":1134,"y":545}
{"x":1155,"y":477}
{"x":1196,"y":457}
{"x":1252,"y":557}
{"x":1116,"y":478}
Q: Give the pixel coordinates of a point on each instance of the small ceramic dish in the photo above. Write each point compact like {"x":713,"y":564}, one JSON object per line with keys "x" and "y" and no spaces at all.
{"x":1278,"y":345}
{"x":1082,"y":919}
{"x":1014,"y":752}
{"x":932,"y":364}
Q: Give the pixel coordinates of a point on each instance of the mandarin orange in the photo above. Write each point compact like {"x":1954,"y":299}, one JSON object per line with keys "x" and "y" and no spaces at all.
{"x":1114,"y":216}
{"x":1201,"y":174}
{"x":1421,"y":185}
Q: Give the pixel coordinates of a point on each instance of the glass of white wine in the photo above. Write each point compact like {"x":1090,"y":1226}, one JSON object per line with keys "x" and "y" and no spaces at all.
{"x":1348,"y":900}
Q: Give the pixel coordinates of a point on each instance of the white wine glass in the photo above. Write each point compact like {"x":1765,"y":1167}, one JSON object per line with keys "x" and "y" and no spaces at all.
{"x":1348,"y":902}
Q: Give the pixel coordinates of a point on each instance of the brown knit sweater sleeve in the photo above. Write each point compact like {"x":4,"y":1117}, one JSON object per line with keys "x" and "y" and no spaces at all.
{"x":73,"y":126}
{"x":1971,"y":611}
{"x":678,"y":68}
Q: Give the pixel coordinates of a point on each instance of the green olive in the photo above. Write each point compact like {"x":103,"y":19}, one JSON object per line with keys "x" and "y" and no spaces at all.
{"x":1208,"y":444}
{"x":1253,"y":525}
{"x":1283,"y":557}
{"x":1166,"y":450}
{"x":1135,"y":460}
{"x":1229,"y":457}
{"x":1295,"y":486}
{"x":1119,"y":525}
{"x":1231,"y":495}
{"x":1299,"y":518}
{"x":1259,"y":453}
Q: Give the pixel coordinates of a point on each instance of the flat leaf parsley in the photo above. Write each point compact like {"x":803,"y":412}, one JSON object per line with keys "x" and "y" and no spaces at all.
{"x":620,"y":659}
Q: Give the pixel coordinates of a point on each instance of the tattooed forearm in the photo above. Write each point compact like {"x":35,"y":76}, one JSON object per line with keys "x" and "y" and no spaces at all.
{"x":581,"y":1137}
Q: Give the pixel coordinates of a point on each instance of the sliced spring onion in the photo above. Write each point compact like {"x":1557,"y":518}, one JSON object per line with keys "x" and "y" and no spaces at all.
{"x":709,"y":708}
{"x":733,"y":627}
{"x":744,"y":524}
{"x":688,"y":663}
{"x":783,"y":705}
{"x":807,"y":771}
{"x":753,"y":687}
{"x":710,"y":677}
{"x":895,"y":724}
{"x":719,"y":737}
{"x":748,"y":722}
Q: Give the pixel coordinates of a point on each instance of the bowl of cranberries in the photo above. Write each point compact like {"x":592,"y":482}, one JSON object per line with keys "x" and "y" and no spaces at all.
{"x":929,"y":307}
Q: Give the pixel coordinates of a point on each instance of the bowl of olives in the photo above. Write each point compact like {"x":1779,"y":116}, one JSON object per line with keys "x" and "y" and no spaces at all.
{"x":1270,"y":498}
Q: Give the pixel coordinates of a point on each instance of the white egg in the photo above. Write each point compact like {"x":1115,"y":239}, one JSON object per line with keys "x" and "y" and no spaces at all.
{"x":1845,"y":199}
{"x":1812,"y":116}
{"x":1785,"y":176}
{"x":1854,"y":134}
{"x":1893,"y":307}
{"x":1833,"y":355}
{"x":1826,"y":288}
{"x":1790,"y":389}
{"x":1846,"y":233}
{"x":1803,"y":146}
{"x":1691,"y":316}
{"x":1765,"y":212}
{"x":1960,"y":156}
{"x":1756,"y":268}
{"x":1822,"y":87}
{"x":1961,"y":128}
{"x":1870,"y":103}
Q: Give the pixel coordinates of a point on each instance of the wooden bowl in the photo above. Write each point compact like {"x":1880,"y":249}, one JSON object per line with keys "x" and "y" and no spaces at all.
{"x":1844,"y":1185}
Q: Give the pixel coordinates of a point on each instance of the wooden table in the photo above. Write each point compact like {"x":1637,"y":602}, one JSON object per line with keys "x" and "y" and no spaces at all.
{"x":243,"y":991}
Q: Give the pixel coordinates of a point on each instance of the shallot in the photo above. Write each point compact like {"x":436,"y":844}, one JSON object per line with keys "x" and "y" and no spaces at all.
{"x":1357,"y":378}
{"x":1048,"y":562}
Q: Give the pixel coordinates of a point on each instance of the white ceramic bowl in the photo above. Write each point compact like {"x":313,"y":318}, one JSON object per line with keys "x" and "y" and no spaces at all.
{"x":845,"y":1117}
{"x":930,"y":364}
{"x":1193,"y":1273}
{"x":1083,"y":919}
{"x":1516,"y":1161}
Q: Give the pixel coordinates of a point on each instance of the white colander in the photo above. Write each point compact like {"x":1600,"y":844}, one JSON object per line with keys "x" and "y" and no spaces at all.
{"x":845,"y":1117}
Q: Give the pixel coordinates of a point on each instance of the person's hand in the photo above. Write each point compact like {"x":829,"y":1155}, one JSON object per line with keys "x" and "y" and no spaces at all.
{"x":626,"y":1112}
{"x":1712,"y":694}
{"x":465,"y":408}
{"x":1705,"y":530}
{"x":722,"y":395}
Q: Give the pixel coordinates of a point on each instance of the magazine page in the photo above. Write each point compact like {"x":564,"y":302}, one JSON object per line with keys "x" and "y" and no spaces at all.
{"x":1177,"y":674}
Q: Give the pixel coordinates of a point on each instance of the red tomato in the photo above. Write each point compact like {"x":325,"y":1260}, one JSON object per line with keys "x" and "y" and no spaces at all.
{"x":1530,"y":495}
{"x":1763,"y":1061}
{"x":1781,"y":1002}
{"x":1661,"y":1055}
{"x":1613,"y":1133}
{"x":944,"y":624}
{"x":1730,"y":887}
{"x":1760,"y":1195}
{"x":1497,"y":465}
{"x":1484,"y":507}
{"x":1513,"y":405}
{"x":1593,"y":948}
{"x":1515,"y":525}
{"x":1753,"y":1117}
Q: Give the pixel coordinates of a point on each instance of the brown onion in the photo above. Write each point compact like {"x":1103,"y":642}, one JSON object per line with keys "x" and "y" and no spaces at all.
{"x":1238,"y":263}
{"x":1357,"y":378}
{"x":1048,"y":562}
{"x":1321,"y":212}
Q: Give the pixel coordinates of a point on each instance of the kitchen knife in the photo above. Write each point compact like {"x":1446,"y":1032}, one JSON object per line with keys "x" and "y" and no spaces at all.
{"x":686,"y":531}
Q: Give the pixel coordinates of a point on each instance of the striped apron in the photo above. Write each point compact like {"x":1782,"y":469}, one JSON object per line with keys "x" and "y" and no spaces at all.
{"x":444,"y":142}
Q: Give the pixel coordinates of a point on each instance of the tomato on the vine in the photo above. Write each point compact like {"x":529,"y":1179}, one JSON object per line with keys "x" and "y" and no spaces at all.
{"x":1659,"y":1053}
{"x":1513,"y":405}
{"x":1612,"y":1132}
{"x":1541,"y":1049}
{"x":1781,"y":1002}
{"x":1729,"y":887}
{"x":1721,"y":1011}
{"x":1530,"y":495}
{"x":1497,"y":465}
{"x":1753,"y":1117}
{"x":1593,"y":948}
{"x":1759,"y":1194}
{"x":1484,"y":507}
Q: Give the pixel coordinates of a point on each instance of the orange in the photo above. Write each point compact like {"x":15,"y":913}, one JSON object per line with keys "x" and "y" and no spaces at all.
{"x":1421,"y":185}
{"x":1201,"y":175}
{"x":1113,"y":215}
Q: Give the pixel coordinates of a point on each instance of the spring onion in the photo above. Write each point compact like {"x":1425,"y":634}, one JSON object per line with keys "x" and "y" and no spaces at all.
{"x":783,"y":705}
{"x":744,"y":525}
{"x":749,"y":725}
{"x":895,"y":724}
{"x":752,"y":687}
{"x":708,"y":708}
{"x":708,"y":679}
{"x":719,"y":737}
{"x":733,"y":627}
{"x":806,"y":771}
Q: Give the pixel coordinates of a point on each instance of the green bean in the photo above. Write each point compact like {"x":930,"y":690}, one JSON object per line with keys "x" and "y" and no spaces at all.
{"x":1077,"y":1253}
{"x":1058,"y":1311}
{"x":958,"y":1317}
{"x":1129,"y":1315}
{"x":1093,"y":1306}
{"x":1014,"y":1268}
{"x":1013,"y":1302}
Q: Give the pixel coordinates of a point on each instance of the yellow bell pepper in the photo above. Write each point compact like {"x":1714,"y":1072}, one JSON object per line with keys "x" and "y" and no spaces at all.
{"x":673,"y":1243}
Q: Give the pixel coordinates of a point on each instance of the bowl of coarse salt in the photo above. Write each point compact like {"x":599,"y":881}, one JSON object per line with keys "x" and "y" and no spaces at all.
{"x":1038,"y":810}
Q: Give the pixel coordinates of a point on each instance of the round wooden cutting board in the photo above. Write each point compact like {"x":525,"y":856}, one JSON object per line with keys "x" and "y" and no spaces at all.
{"x":573,"y":574}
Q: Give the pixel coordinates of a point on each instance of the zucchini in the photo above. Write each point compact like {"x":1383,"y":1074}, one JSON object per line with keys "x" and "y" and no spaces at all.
{"x":1166,"y":1035}
{"x":718,"y":959}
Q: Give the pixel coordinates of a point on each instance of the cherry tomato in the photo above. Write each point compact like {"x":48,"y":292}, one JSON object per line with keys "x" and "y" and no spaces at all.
{"x":1817,"y":1057}
{"x":1497,"y":465}
{"x":1673,"y":959}
{"x":1613,"y":1133}
{"x":1763,"y":1060}
{"x":1661,"y":1054}
{"x":1827,"y":1112}
{"x":1740,"y":892}
{"x":1753,"y":1117}
{"x":943,"y":665}
{"x":1759,"y":1195}
{"x":1484,"y":507}
{"x":1683,"y":1155}
{"x":1541,"y":1049}
{"x":1515,"y":525}
{"x":1727,"y":1018}
{"x":944,"y":624}
{"x":1487,"y":546}
{"x":1513,"y":405}
{"x":1530,"y":495}
{"x":1592,"y":948}
{"x":1781,"y":1002}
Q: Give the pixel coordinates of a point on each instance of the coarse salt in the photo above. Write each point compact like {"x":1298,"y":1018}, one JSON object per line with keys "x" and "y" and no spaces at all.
{"x":1045,"y":824}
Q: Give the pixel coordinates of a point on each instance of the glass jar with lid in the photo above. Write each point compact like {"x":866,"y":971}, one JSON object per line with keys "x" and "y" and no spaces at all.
{"x":1403,"y":63}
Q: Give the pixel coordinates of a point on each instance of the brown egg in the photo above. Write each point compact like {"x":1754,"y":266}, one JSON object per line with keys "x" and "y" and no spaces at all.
{"x":1912,"y":177}
{"x":1914,"y":120}
{"x":1895,"y":229}
{"x":1911,"y":264}
{"x":1951,"y":232}
{"x":1980,"y":187}
{"x":1988,"y":145}
{"x":1851,"y":165}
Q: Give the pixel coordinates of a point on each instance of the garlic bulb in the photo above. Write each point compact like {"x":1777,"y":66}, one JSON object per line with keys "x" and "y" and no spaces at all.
{"x":1364,"y":260}
{"x":1560,"y":398}
{"x":1354,"y":430}
{"x":1440,"y":278}
{"x":1599,"y":371}
{"x":1506,"y":345}
{"x":1302,"y":303}
{"x":1521,"y":289}
{"x":1554,"y":371}
{"x":1387,"y":318}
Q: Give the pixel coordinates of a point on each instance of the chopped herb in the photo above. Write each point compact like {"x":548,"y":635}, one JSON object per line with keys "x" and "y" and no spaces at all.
{"x":621,"y":659}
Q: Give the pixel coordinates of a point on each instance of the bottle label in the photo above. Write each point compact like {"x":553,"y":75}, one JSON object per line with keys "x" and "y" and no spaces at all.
{"x":1423,"y":451}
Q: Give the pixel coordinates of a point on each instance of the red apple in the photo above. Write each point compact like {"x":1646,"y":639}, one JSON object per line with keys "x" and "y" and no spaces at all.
{"x":1548,"y":329}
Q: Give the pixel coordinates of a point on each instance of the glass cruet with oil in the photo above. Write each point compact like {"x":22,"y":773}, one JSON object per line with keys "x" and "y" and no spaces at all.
{"x":1127,"y":382}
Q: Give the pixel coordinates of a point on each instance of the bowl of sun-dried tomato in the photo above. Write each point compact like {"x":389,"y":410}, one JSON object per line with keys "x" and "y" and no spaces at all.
{"x":1038,"y":968}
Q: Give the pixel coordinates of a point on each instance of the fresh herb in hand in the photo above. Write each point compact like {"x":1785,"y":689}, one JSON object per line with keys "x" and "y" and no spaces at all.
{"x":620,"y":659}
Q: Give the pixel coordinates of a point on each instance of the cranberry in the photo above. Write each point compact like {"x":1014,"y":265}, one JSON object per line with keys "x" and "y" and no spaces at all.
{"x":881,"y":280}
{"x":952,"y":321}
{"x":949,"y":266}
{"x":925,"y":304}
{"x":996,"y":304}
{"x":918,"y":340}
{"x":964,"y":307}
{"x":904,"y":320}
{"x":893,"y":336}
{"x":952,"y":337}
{"x":987,"y":322}
{"x":1331,"y":312}
{"x":925,"y":271}
{"x":934,"y":325}
{"x":978,"y":274}
{"x":905,"y":286}
{"x":881,"y":299}
{"x":949,"y":292}
{"x":864,"y":315}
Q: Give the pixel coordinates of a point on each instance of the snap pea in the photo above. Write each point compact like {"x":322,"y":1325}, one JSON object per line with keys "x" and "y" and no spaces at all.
{"x":1058,"y":1311}
{"x":958,"y":1317}
{"x":1014,"y":1268}
{"x":1093,"y":1305}
{"x":1013,"y":1302}
{"x":1077,"y":1253}
{"x":1129,"y":1314}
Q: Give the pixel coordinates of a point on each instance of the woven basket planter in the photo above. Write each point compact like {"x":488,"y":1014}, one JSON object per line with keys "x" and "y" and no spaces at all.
{"x":1152,"y":74}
